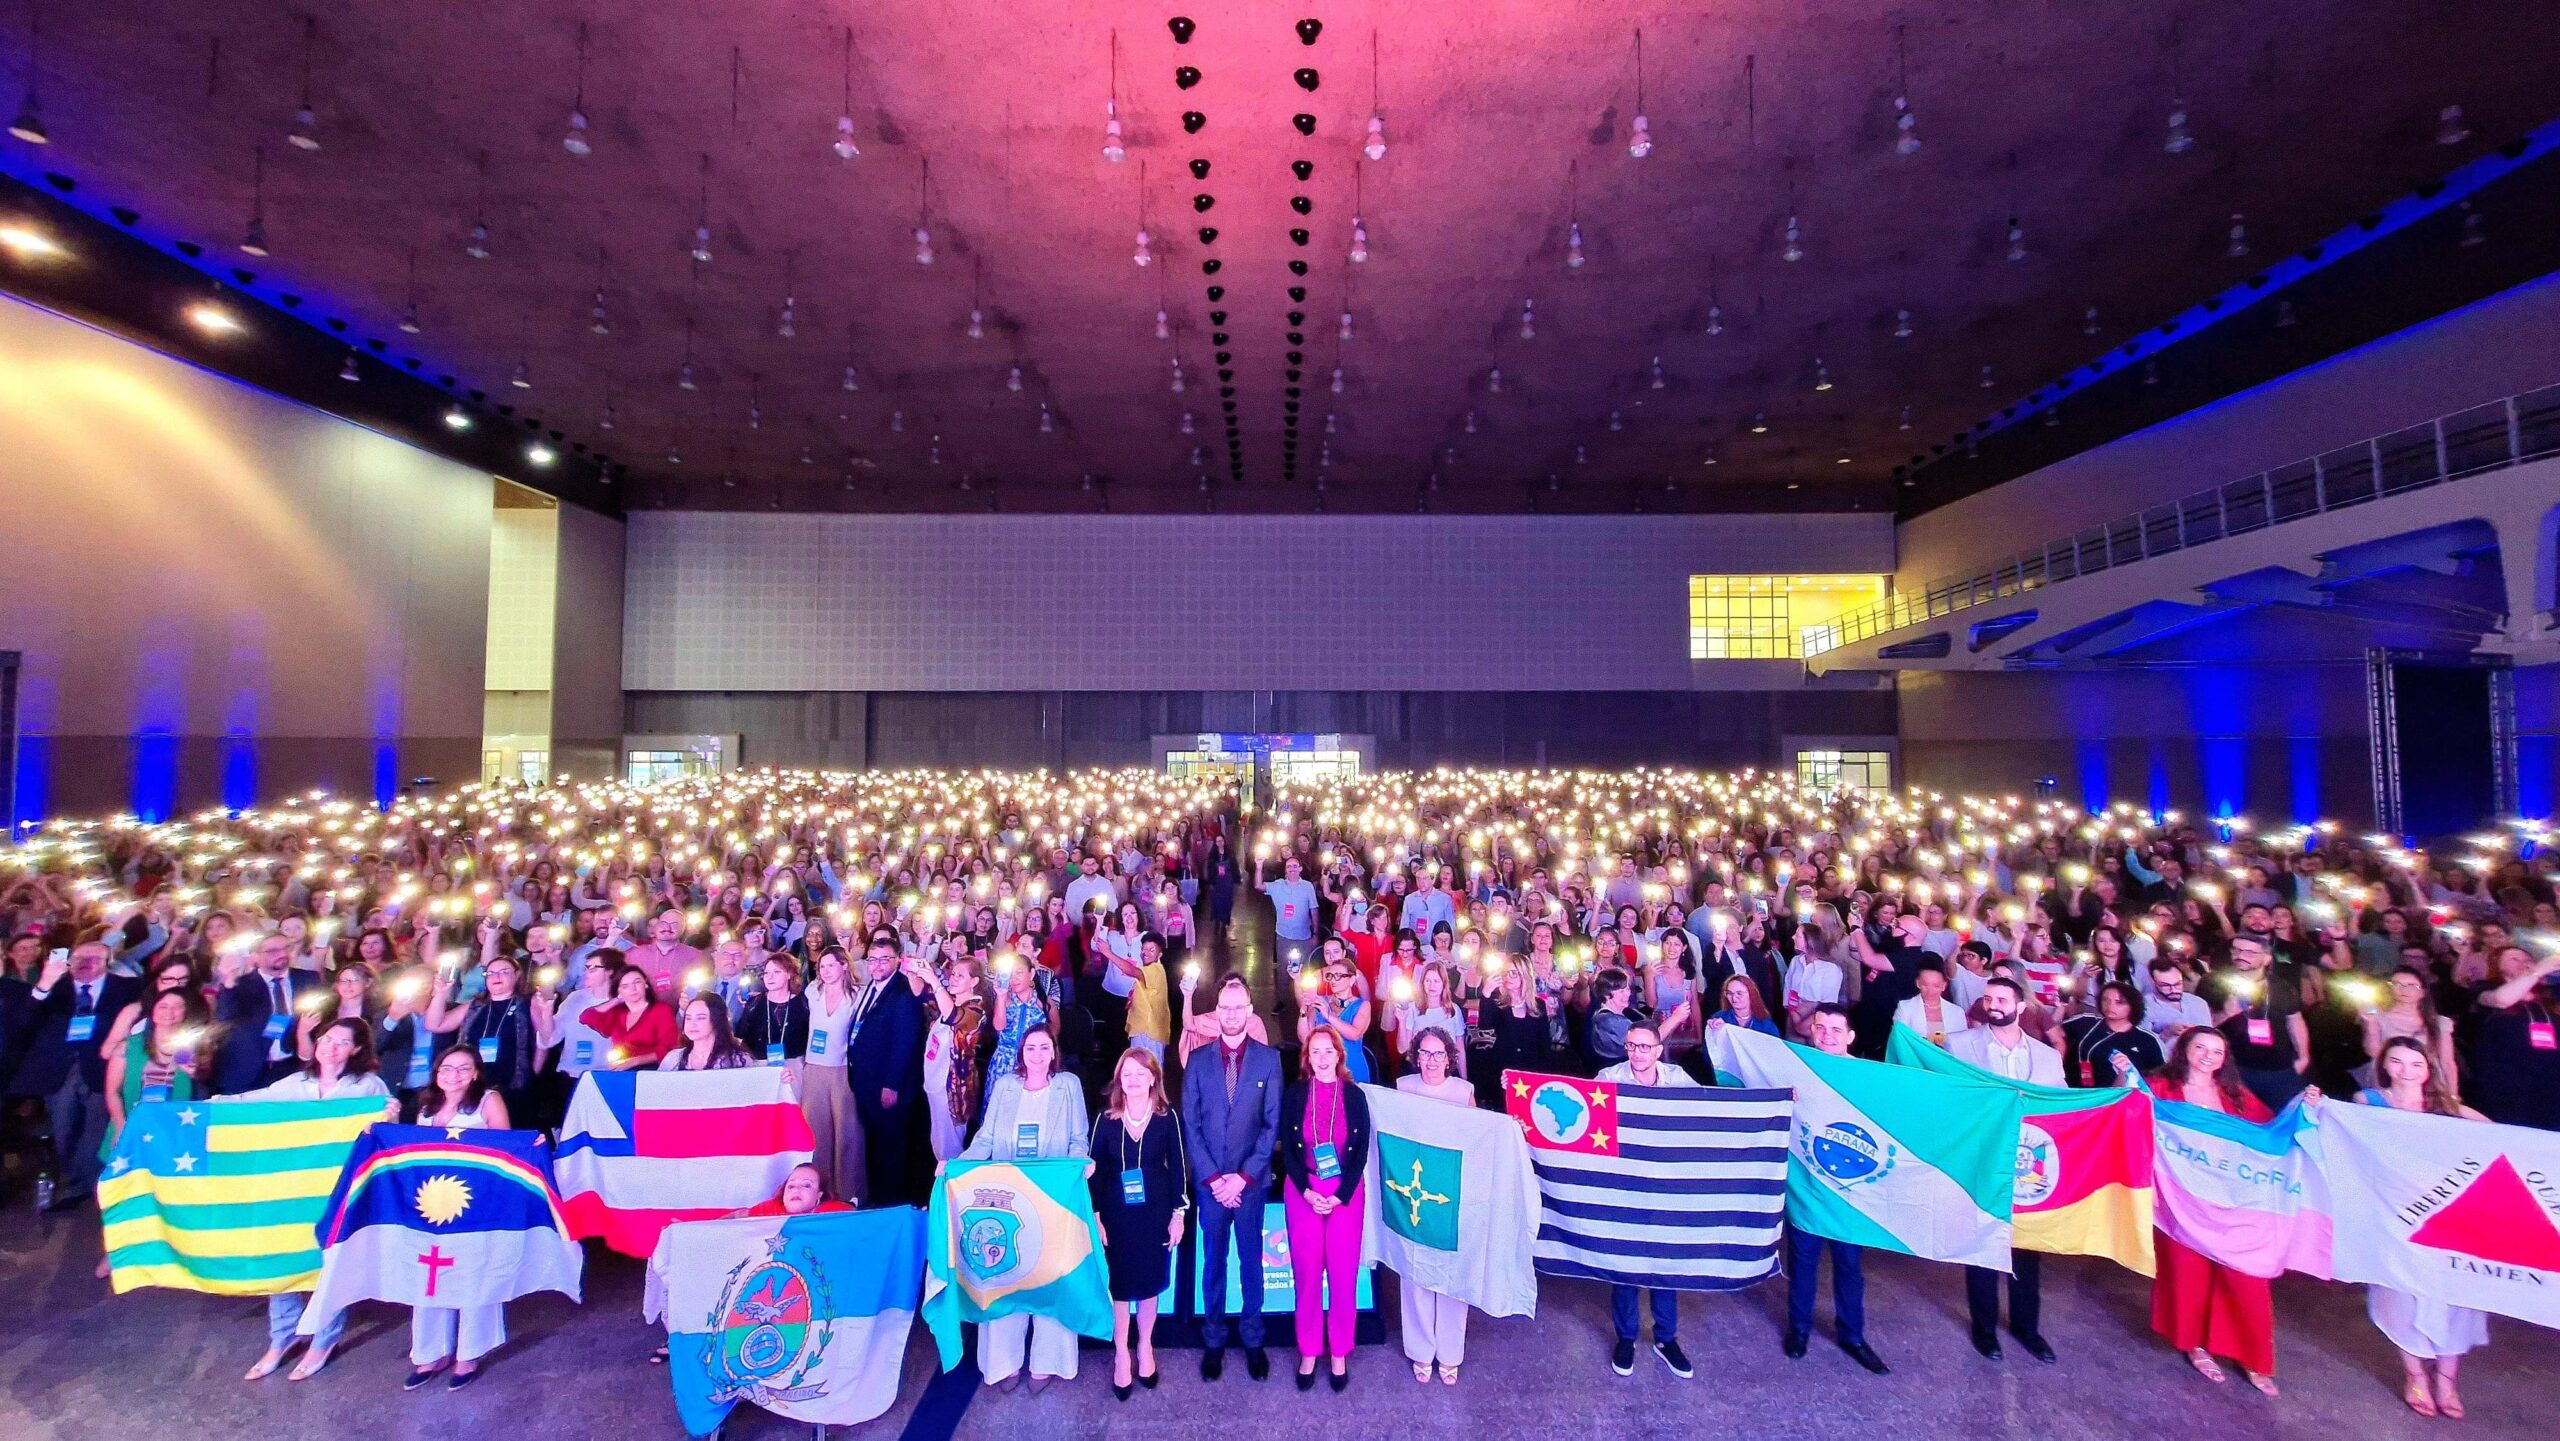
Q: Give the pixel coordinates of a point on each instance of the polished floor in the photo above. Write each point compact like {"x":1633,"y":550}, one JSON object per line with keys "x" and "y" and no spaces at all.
{"x":80,"y":1364}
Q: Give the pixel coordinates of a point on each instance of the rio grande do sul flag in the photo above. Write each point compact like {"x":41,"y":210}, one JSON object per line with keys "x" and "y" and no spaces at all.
{"x":1453,"y":1203}
{"x":2462,"y":1212}
{"x":1889,"y":1156}
{"x":802,"y":1316}
{"x":2084,"y":1161}
{"x":1009,"y":1238}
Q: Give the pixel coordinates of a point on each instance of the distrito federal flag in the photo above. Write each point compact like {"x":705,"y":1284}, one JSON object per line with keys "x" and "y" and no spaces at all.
{"x":1452,"y":1202}
{"x":1889,"y":1156}
{"x":442,"y":1216}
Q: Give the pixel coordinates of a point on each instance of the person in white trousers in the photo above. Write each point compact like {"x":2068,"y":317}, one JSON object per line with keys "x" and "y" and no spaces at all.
{"x":460,"y":1096}
{"x":1031,"y":1113}
{"x":1435,"y":1326}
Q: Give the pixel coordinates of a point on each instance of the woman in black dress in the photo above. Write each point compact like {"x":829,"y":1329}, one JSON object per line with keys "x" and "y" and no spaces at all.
{"x":1141,"y":1194}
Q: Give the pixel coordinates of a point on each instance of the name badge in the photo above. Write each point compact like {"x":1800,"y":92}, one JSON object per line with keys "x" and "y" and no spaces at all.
{"x":1026,"y":1138}
{"x":2262,"y":1032}
{"x":2538,"y":1033}
{"x":1133,"y":1187}
{"x":155,"y":1093}
{"x":817,"y":1043}
{"x":422,"y":1063}
{"x":582,"y":1053}
{"x":278,"y":1022}
{"x":488,"y":1050}
{"x":773,"y":1053}
{"x":83,"y":1027}
{"x":1328,"y":1163}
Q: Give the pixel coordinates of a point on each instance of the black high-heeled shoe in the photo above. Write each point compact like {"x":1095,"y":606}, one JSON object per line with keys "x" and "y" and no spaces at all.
{"x":1121,"y":1391}
{"x":1306,"y":1380}
{"x":1149,"y":1379}
{"x":1340,"y":1380}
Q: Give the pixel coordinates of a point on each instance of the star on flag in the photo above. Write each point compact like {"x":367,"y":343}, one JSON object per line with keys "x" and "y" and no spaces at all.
{"x":183,"y":1162}
{"x":188,"y":1117}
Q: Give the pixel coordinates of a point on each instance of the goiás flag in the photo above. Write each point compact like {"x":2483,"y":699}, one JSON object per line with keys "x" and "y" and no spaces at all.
{"x":2249,"y":1195}
{"x":2083,"y":1183}
{"x":642,"y":1149}
{"x":2466,"y":1213}
{"x":1679,"y":1188}
{"x":804,"y":1316}
{"x":1889,"y":1156}
{"x":1453,"y":1204}
{"x":1009,"y":1238}
{"x":222,"y":1196}
{"x":441,"y":1216}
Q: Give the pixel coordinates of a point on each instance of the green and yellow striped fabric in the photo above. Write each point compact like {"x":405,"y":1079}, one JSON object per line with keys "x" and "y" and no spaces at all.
{"x":225,"y":1197}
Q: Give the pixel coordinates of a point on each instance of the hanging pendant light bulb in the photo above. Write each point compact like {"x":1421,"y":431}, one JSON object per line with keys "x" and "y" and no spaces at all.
{"x":1493,"y":381}
{"x":2450,"y":129}
{"x":1795,"y":241}
{"x":1904,"y":423}
{"x":1177,"y":375}
{"x":702,"y":244}
{"x":1529,"y":319}
{"x":844,"y":147}
{"x":1639,"y":138}
{"x":1617,"y":421}
{"x":575,"y":142}
{"x":684,"y":376}
{"x":409,"y":319}
{"x":1573,"y":246}
{"x":2017,"y":240}
{"x":2181,"y":140}
{"x":2089,"y":321}
{"x":1359,"y":242}
{"x":1906,"y":124}
{"x":1345,"y":332}
{"x":348,"y":370}
{"x":2151,"y":372}
{"x":1581,"y":456}
{"x":1112,"y":149}
{"x":1330,"y":427}
{"x":253,"y":241}
{"x":305,"y":133}
{"x":852,"y":379}
{"x":1013,"y":380}
{"x":924,"y":246}
{"x":2474,"y":230}
{"x":1376,"y":146}
{"x":1715,"y":319}
{"x":1184,"y":427}
{"x":1821,"y":375}
{"x":789,"y":326}
{"x":977,"y":324}
{"x":674,"y":456}
{"x":2239,"y":245}
{"x":1471,"y":422}
{"x":1144,"y":256}
{"x":933,"y":451}
{"x":1338,"y":386}
{"x":1658,"y":382}
{"x":1902,"y":326}
{"x":478,"y":247}
{"x":1199,"y":455}
{"x":596,"y":322}
{"x":1759,"y":422}
{"x":1048,"y":424}
{"x":2285,"y":318}
{"x":755,"y":413}
{"x":1164,"y":325}
{"x":606,"y":420}
{"x":523,"y":378}
{"x":897,"y":421}
{"x":29,"y":122}
{"x":1986,"y":378}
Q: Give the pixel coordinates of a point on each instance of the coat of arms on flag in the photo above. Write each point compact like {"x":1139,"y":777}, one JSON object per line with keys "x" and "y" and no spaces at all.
{"x":803,"y":1316}
{"x":428,"y":1216}
{"x":1010,"y":1237}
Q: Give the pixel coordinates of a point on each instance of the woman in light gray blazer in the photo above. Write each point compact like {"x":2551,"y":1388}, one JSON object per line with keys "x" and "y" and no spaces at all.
{"x":1035,"y":1112}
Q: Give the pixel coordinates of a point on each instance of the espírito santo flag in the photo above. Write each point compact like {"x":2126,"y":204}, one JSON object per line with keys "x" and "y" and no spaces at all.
{"x":1889,"y":1156}
{"x":1008,"y":1238}
{"x":2084,"y":1161}
{"x":223,"y":1196}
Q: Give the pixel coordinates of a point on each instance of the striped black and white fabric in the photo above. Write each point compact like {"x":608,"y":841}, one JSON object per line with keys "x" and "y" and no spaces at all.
{"x":1673,"y":1188}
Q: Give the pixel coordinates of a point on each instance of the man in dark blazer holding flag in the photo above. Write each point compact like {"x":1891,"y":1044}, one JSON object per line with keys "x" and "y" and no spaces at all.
{"x":72,"y":1004}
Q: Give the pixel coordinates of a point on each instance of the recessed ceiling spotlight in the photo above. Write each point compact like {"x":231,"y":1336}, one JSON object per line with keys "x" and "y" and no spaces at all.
{"x":348,"y":371}
{"x":540,"y":454}
{"x":26,"y":242}
{"x":457,"y":418}
{"x":212,"y":318}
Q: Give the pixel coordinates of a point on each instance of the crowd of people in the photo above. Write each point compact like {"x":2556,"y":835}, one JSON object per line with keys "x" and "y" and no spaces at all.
{"x":983,"y":966}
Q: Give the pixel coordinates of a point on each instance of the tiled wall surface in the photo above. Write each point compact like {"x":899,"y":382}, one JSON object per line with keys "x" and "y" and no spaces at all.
{"x":721,"y":601}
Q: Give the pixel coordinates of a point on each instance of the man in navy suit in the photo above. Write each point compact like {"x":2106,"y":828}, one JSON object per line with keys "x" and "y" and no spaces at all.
{"x":256,"y":1013}
{"x":1230,"y":1122}
{"x":74,"y":1003}
{"x":884,"y":1066}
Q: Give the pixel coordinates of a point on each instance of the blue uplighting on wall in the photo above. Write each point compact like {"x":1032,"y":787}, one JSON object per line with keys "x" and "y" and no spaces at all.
{"x":2302,"y":754}
{"x":34,"y":784}
{"x":155,"y":776}
{"x":2159,"y":781}
{"x":386,"y":773}
{"x":239,"y":772}
{"x":2534,"y":760}
{"x":2224,"y":761}
{"x":2093,"y":775}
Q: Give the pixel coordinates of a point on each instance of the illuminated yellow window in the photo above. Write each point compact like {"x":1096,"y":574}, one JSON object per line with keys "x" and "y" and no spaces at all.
{"x":1767,"y":617}
{"x":1845,"y":770}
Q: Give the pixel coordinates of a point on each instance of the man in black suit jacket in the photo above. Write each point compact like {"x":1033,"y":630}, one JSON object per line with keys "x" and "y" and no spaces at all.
{"x":75,"y":1002}
{"x":256,"y":1013}
{"x":1230,"y":1122}
{"x":884,"y":1066}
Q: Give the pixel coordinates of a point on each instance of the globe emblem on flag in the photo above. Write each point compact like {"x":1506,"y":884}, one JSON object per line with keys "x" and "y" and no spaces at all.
{"x":1560,"y":1114}
{"x":2039,"y":1165}
{"x":1845,"y":1153}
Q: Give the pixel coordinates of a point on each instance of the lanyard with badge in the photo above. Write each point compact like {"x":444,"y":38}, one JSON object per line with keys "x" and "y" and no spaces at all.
{"x":504,"y":1011}
{"x":422,"y":1052}
{"x":773,"y":1033}
{"x":1133,"y":1179}
{"x":2537,"y":1031}
{"x":84,"y":1023}
{"x":1327,"y":1158}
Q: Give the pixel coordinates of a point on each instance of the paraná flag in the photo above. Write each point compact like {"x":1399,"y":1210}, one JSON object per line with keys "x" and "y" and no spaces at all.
{"x":1453,"y":1204}
{"x":2462,"y":1212}
{"x":2084,"y":1161}
{"x":2250,"y":1196}
{"x":1009,"y":1238}
{"x":641,"y":1149}
{"x":222,"y":1196}
{"x":804,"y":1316}
{"x":439,"y":1216}
{"x":1889,"y":1156}
{"x":1678,"y":1188}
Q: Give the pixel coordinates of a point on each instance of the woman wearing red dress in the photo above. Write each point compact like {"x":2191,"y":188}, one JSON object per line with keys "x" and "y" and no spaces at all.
{"x":2199,"y":1305}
